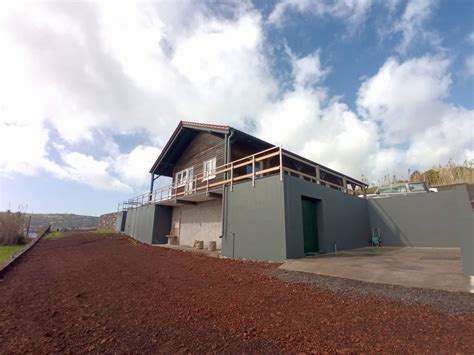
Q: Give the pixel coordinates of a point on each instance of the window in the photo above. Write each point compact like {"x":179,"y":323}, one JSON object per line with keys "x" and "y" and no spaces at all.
{"x":209,"y":169}
{"x":258,"y":167}
{"x":417,"y":187}
{"x":184,"y":175}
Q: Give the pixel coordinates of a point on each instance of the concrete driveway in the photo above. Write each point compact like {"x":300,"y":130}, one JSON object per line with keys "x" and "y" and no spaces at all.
{"x":434,"y":268}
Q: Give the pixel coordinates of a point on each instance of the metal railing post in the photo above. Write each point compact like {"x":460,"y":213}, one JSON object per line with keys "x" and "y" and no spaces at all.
{"x":281,"y":164}
{"x":231,"y":176}
{"x":253,"y":170}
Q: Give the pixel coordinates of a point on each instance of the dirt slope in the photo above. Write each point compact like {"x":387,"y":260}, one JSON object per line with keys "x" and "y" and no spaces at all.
{"x":86,"y":292}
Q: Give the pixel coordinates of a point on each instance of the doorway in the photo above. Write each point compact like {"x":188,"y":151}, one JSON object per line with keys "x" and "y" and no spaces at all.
{"x":310,"y":225}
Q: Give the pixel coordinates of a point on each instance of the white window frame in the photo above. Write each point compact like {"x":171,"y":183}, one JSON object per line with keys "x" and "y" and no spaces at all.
{"x":209,"y":174}
{"x":182,"y":176}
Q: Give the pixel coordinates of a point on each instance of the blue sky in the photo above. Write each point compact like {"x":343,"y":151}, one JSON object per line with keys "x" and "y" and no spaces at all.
{"x":91,"y":91}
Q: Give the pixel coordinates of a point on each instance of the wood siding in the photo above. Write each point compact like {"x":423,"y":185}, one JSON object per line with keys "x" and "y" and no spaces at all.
{"x":203,"y":147}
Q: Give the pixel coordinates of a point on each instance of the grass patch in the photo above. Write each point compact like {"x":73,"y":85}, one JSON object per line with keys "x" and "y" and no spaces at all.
{"x":103,"y":231}
{"x":7,"y":251}
{"x":54,"y":235}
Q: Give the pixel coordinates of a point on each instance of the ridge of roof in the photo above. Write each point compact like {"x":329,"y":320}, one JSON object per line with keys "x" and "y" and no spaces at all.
{"x":205,"y":125}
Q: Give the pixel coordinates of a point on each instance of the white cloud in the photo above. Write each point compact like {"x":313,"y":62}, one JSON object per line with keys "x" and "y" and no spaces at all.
{"x":354,"y":11}
{"x":412,"y":23}
{"x":470,"y":37}
{"x":86,"y":71}
{"x":22,"y":147}
{"x":133,"y":168}
{"x":405,"y":97}
{"x":307,"y":70}
{"x":470,"y":65}
{"x":86,"y":169}
{"x":407,"y":101}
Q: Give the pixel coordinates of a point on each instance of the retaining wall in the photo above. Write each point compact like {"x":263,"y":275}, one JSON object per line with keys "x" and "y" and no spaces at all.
{"x":256,"y":221}
{"x":342,"y":219}
{"x":149,"y":223}
{"x":440,"y":219}
{"x":108,"y":221}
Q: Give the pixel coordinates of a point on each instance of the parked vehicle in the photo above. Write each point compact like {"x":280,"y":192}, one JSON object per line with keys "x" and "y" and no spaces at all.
{"x":402,"y":189}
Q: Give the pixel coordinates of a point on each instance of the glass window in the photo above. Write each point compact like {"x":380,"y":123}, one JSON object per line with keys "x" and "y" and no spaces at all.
{"x":209,"y":169}
{"x":417,"y":187}
{"x":183,"y":175}
{"x":384,"y":190}
{"x":258,"y":167}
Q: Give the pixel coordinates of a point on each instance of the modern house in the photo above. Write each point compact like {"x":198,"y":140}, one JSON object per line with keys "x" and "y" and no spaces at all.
{"x":259,"y":201}
{"x":254,"y":199}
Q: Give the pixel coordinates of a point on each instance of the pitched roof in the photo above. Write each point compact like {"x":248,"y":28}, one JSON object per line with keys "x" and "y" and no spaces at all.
{"x":182,"y":135}
{"x":185,"y":133}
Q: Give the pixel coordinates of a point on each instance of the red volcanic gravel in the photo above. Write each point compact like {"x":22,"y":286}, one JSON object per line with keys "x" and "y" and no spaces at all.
{"x":106,"y":293}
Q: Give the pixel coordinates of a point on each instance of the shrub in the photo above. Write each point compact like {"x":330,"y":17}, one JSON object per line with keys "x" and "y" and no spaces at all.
{"x":12,"y":228}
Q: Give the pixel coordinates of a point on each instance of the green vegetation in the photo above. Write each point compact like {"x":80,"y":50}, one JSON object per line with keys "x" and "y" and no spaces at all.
{"x":12,"y":227}
{"x":7,"y":251}
{"x":103,"y":231}
{"x":54,"y":235}
{"x":446,"y":175}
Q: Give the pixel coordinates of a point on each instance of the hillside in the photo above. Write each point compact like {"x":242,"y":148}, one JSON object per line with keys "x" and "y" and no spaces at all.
{"x":61,"y":220}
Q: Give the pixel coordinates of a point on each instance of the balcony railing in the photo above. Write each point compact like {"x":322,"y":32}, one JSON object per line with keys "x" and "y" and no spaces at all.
{"x":267,"y":162}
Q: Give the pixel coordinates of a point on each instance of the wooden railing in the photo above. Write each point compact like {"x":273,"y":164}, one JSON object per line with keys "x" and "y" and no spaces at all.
{"x":274,"y":161}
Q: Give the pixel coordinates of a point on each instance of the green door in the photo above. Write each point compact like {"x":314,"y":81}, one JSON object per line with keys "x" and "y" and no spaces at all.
{"x":310,"y":226}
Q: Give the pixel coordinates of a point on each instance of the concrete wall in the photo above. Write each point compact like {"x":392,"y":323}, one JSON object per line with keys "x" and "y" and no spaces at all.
{"x":120,"y":221}
{"x":149,"y":223}
{"x":107,"y":221}
{"x":439,"y":219}
{"x":342,"y":219}
{"x":256,"y":221}
{"x":199,"y":222}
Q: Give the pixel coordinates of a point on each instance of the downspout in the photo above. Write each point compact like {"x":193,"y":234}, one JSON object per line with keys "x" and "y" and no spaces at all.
{"x":227,"y":158}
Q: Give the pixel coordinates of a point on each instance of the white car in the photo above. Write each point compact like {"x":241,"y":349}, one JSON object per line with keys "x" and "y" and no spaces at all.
{"x":403,"y":188}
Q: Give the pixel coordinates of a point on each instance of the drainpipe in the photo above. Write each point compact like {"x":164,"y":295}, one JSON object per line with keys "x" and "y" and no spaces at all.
{"x":227,"y":158}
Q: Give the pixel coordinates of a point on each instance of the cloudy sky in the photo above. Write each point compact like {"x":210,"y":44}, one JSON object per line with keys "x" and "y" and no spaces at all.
{"x":91,"y":91}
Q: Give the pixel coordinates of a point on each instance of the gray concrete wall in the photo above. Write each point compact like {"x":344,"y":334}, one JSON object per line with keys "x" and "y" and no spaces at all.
{"x":342,"y":218}
{"x":202,"y":221}
{"x":120,"y":221}
{"x":256,"y":221}
{"x":149,"y":223}
{"x":438,"y":219}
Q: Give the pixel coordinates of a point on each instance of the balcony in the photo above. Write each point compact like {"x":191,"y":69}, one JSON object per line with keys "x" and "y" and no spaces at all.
{"x":272,"y":161}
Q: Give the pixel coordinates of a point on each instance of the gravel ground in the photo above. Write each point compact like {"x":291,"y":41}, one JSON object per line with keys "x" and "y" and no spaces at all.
{"x":442,"y":301}
{"x":105,"y":293}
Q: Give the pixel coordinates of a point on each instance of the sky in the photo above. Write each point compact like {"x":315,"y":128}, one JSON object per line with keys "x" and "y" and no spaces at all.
{"x":90,"y":92}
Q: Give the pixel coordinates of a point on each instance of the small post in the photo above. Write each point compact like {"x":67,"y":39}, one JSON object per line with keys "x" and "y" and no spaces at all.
{"x":281,"y":164}
{"x":207,"y":184}
{"x":318,"y":174}
{"x":231,"y":176}
{"x":365,"y":191}
{"x":253,"y":170}
{"x":344,"y":184}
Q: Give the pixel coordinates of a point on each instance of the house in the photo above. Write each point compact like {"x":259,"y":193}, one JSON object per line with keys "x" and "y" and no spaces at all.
{"x":253,"y":199}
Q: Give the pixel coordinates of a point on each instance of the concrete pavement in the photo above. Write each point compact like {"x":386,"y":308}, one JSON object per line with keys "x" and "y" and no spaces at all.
{"x":434,"y":268}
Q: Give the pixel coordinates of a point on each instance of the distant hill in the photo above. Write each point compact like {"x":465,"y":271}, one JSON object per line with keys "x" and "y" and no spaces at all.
{"x":62,"y":220}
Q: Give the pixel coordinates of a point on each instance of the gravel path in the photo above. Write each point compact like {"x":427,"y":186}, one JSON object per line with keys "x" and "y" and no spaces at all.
{"x":442,"y":301}
{"x":99,"y":293}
